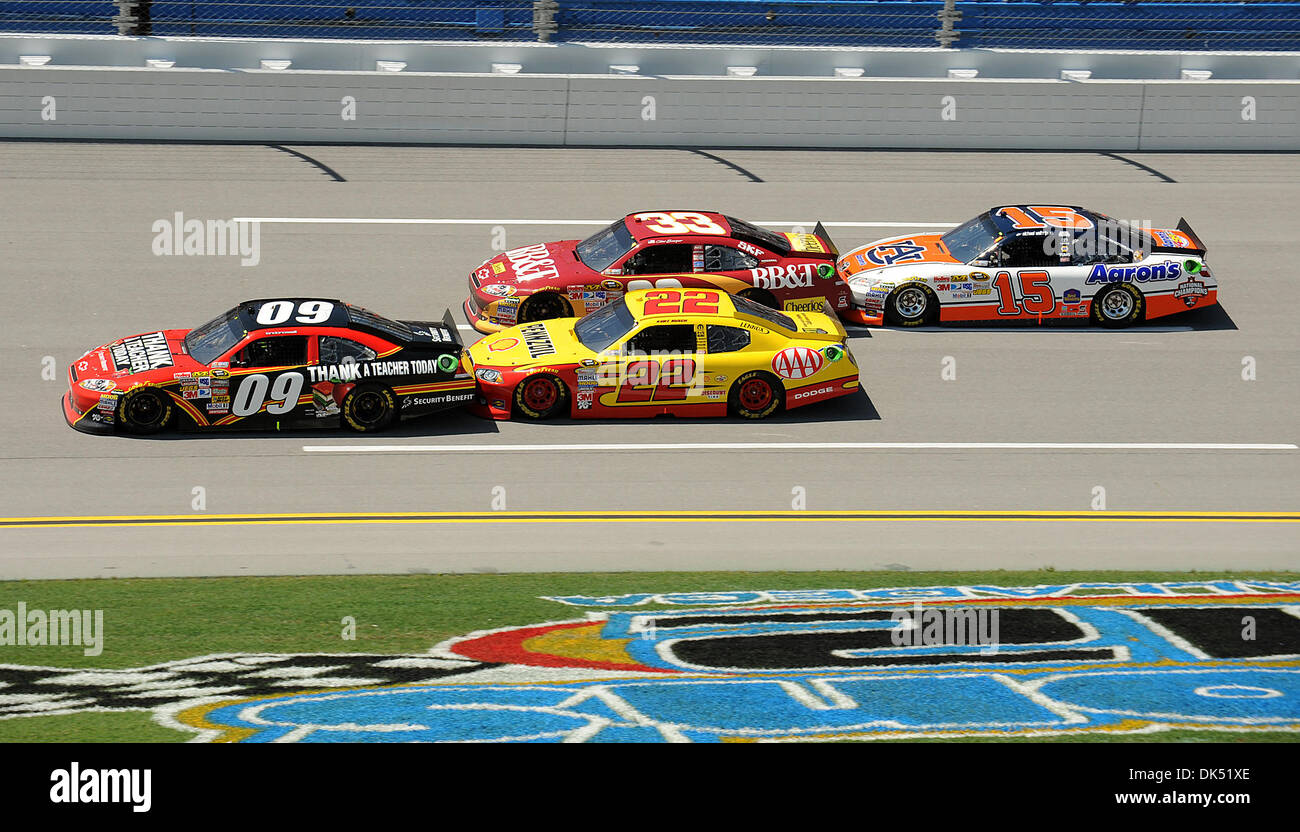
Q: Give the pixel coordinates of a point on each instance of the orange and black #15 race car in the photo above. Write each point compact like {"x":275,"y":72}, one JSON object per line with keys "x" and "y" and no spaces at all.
{"x":271,"y":364}
{"x":660,"y":249}
{"x":686,"y":352}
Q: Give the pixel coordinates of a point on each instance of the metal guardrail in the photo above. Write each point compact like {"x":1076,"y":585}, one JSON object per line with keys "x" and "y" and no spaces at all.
{"x":1262,"y":25}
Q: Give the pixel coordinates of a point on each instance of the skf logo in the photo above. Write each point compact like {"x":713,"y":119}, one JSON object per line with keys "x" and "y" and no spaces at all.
{"x":797,"y":362}
{"x":900,"y":252}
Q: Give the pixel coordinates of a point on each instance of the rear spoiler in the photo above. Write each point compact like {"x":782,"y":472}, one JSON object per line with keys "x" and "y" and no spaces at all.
{"x":820,"y":231}
{"x":450,"y":322}
{"x":1198,"y":247}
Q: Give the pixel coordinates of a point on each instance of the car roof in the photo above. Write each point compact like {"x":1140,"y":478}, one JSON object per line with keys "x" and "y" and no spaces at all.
{"x":1007,"y":225}
{"x":640,"y":232}
{"x":727,"y":311}
{"x":342,"y":315}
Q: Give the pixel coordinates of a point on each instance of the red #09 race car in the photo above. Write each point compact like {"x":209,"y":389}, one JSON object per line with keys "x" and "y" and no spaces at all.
{"x":272,"y":364}
{"x":685,"y":352}
{"x":1031,"y":263}
{"x":656,"y":249}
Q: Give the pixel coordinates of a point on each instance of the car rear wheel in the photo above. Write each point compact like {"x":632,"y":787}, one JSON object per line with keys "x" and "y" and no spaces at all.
{"x":762,"y":296}
{"x":543,"y":307}
{"x":1118,"y":305}
{"x":540,"y":396}
{"x":755,"y":395}
{"x":369,"y":408}
{"x":910,"y":305}
{"x":144,"y":410}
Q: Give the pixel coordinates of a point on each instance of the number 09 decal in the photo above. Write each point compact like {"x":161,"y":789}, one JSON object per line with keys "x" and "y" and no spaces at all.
{"x":253,"y":390}
{"x":309,"y":312}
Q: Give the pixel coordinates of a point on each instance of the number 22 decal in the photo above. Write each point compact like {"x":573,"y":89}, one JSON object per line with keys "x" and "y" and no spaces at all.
{"x":1037,"y":297}
{"x":686,"y":302}
{"x":253,"y":391}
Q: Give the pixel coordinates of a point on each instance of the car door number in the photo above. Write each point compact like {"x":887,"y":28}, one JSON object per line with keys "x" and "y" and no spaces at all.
{"x":254,"y":389}
{"x":1037,"y":297}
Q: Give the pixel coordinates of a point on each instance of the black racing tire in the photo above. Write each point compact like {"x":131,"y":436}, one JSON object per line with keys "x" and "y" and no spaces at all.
{"x":543,"y":307}
{"x":144,"y":410}
{"x":912,"y":304}
{"x":1118,"y":305}
{"x":758,"y":295}
{"x":755,"y":395}
{"x":369,"y":408}
{"x":540,"y":396}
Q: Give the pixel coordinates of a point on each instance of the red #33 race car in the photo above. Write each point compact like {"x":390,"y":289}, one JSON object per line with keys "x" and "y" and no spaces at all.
{"x":271,"y":364}
{"x":1031,"y":263}
{"x":656,"y":249}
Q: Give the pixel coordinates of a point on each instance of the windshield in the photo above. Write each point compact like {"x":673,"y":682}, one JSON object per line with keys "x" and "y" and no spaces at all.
{"x":971,"y":239}
{"x":600,"y":250}
{"x":600,"y":329}
{"x":767,"y":313}
{"x":208,"y":342}
{"x":365,"y":317}
{"x":1120,"y":236}
{"x":742,"y":230}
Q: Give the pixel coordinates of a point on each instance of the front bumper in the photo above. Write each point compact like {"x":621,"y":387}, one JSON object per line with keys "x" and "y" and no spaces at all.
{"x":478,"y":319}
{"x":92,"y":421}
{"x":861,"y":316}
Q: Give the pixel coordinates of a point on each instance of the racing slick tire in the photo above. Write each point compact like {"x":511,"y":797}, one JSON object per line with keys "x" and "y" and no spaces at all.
{"x":540,"y":396}
{"x":543,"y":307}
{"x":761,"y":296}
{"x":911,"y":304}
{"x":1118,"y":305}
{"x":755,"y":395}
{"x":144,"y":410}
{"x":369,"y":408}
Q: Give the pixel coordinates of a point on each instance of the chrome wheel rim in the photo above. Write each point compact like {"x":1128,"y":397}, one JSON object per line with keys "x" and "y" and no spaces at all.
{"x":911,"y":303}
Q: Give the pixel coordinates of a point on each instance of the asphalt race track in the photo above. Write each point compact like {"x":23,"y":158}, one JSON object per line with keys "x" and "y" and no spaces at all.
{"x":1218,"y":490}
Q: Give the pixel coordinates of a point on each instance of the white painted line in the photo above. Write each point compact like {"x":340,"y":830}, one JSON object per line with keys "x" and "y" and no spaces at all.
{"x":808,"y":446}
{"x":422,"y":221}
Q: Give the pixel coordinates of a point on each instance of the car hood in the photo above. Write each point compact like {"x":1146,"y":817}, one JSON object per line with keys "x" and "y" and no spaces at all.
{"x":906,"y":250}
{"x":153,"y":357}
{"x":541,"y":343}
{"x":534,"y":267}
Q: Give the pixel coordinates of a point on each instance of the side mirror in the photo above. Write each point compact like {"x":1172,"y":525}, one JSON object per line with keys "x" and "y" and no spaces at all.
{"x":983,"y":261}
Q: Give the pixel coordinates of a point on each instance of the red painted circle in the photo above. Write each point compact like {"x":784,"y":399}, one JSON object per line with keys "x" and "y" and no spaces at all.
{"x":755,"y":394}
{"x":540,"y":394}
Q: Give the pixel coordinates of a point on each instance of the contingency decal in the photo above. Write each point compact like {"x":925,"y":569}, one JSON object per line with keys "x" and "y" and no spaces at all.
{"x":141,"y":353}
{"x":855,"y":664}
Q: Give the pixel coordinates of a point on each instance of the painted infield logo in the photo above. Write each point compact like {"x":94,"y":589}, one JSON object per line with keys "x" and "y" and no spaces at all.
{"x":765,"y":665}
{"x":1127,"y":661}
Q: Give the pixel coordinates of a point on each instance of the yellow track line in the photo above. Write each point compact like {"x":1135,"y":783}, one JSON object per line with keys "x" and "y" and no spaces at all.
{"x":518,"y":517}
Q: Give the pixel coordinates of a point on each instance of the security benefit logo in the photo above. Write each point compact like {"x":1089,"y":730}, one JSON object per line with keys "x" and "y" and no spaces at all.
{"x":942,"y":661}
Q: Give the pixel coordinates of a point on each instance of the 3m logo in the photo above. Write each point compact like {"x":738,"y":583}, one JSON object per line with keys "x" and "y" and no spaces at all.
{"x":796,"y":362}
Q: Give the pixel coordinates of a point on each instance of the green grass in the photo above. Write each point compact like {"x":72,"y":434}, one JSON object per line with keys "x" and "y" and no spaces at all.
{"x":147,"y":621}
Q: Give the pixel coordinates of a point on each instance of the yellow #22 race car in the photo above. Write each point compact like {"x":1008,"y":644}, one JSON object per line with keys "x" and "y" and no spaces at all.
{"x":687,"y":352}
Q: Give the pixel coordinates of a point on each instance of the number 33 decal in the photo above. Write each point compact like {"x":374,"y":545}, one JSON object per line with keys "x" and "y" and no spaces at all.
{"x":680,"y":222}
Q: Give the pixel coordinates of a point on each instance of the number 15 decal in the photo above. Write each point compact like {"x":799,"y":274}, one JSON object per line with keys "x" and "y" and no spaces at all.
{"x":1036,"y":293}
